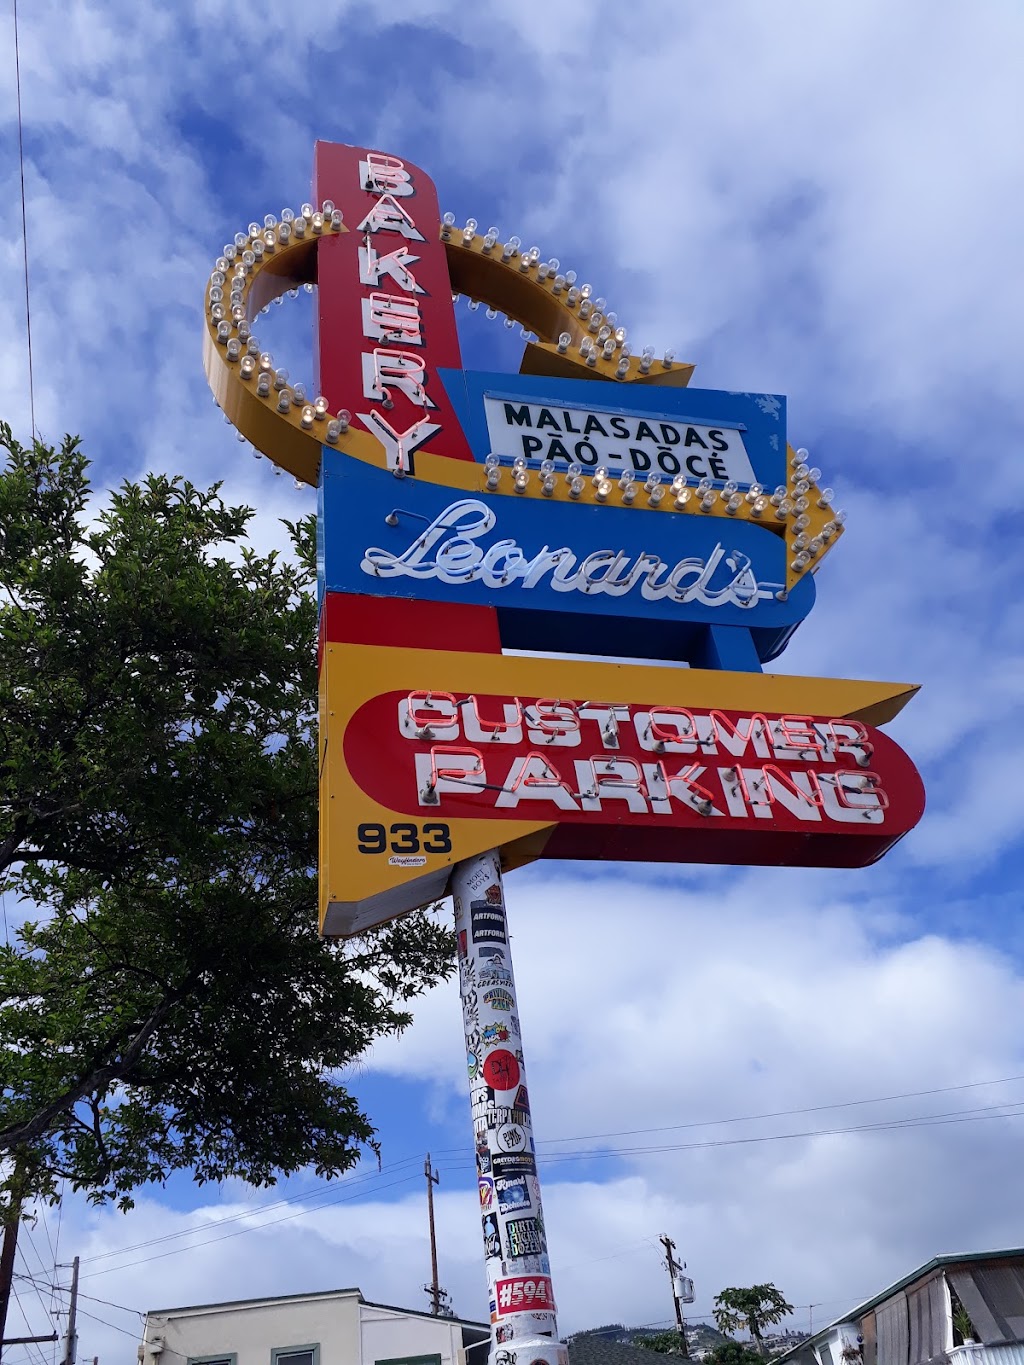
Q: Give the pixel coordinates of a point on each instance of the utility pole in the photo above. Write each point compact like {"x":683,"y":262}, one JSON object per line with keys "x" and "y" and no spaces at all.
{"x":11,"y":1226}
{"x":674,"y":1268}
{"x":434,"y":1290}
{"x":7,"y":1266}
{"x":71,"y":1335}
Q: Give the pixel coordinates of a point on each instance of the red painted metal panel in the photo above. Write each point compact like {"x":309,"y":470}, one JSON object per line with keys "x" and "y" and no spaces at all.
{"x":350,"y":618}
{"x":403,"y":260}
{"x":641,"y":783}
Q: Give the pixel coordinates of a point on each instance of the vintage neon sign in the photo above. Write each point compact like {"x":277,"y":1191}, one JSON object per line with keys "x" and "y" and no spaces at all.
{"x":444,"y":757}
{"x":695,"y":434}
{"x":631,"y":768}
{"x":389,"y":279}
{"x":448,"y":551}
{"x":545,"y":562}
{"x":380,"y":283}
{"x":435,"y":755}
{"x":539,"y":431}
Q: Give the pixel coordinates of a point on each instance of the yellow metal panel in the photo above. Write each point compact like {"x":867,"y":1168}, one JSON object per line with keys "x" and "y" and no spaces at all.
{"x":357,"y":890}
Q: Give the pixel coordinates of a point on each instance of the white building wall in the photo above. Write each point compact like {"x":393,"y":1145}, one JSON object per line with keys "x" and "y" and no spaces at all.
{"x":388,"y":1335}
{"x":251,"y":1331}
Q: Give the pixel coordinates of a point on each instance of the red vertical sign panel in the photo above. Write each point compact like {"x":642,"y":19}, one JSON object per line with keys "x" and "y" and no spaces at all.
{"x":385,"y":322}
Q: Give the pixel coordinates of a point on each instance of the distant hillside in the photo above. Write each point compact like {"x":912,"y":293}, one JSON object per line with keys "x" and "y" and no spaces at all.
{"x":700,"y":1336}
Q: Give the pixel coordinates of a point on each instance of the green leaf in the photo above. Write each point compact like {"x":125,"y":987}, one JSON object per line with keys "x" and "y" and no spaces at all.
{"x":167,"y":1003}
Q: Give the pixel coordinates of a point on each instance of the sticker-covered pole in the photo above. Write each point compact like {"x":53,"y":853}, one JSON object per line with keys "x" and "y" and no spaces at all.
{"x":523,"y":1327}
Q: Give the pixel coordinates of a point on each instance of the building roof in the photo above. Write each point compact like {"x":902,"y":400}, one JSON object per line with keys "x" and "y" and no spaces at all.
{"x":861,"y":1309}
{"x":422,"y":1313}
{"x":267,"y":1299}
{"x":594,"y":1350}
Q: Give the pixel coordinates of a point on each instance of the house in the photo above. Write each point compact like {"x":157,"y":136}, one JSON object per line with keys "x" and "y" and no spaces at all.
{"x":960,"y":1310}
{"x":335,"y":1327}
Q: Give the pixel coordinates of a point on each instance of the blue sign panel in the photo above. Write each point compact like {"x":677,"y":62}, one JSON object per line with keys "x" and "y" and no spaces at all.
{"x":698,"y":433}
{"x":566,"y":576}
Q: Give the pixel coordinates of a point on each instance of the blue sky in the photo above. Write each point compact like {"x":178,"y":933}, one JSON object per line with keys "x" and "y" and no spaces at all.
{"x":821,"y":201}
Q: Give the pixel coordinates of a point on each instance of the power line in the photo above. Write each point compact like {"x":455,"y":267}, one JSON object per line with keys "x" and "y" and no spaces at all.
{"x":24,"y":233}
{"x":92,"y":1316}
{"x":109,"y":1303}
{"x":891,"y":1125}
{"x":249,"y":1213}
{"x":34,"y":1346}
{"x":240,"y":1232}
{"x":370,"y":1178}
{"x":46,"y":1229}
{"x":783,"y":1113}
{"x":38,"y":1291}
{"x":60,"y":1215}
{"x":1011,"y":1109}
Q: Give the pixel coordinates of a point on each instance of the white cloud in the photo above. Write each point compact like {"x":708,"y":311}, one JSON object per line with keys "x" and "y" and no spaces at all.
{"x":646,"y":1007}
{"x":821,"y":200}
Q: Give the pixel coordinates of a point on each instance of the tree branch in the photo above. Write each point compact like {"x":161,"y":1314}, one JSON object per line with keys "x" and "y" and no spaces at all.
{"x":34,"y":1128}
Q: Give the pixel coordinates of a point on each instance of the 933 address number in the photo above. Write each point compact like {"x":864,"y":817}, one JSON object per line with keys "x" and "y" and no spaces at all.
{"x":404,"y":838}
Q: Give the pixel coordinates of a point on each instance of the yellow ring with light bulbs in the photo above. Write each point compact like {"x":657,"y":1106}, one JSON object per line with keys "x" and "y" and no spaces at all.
{"x":282,"y":423}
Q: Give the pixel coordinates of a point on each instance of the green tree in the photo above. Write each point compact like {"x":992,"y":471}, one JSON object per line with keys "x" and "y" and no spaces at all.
{"x":732,"y":1353}
{"x":168,"y":1004}
{"x":666,"y":1343}
{"x":755,"y":1308}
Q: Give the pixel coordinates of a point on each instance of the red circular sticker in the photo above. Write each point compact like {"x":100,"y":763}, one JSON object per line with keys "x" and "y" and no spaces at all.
{"x":501,"y":1070}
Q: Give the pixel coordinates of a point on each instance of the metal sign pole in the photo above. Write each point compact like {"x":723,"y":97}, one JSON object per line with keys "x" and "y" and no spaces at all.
{"x":523,"y":1326}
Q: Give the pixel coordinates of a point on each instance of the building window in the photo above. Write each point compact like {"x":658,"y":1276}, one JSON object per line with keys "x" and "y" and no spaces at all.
{"x":222,"y":1359}
{"x":295,"y":1355}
